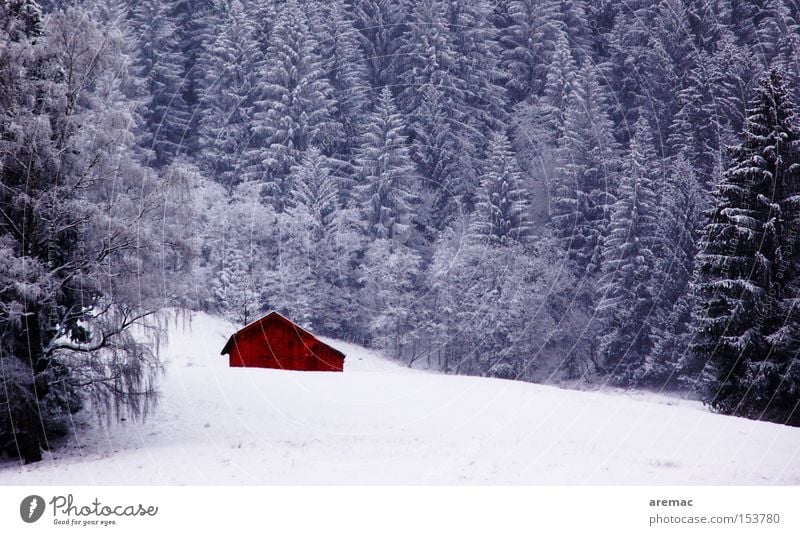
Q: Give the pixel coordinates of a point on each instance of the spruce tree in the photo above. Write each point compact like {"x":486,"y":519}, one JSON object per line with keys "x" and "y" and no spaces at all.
{"x":447,"y":75}
{"x":527,"y":43}
{"x":747,"y":276}
{"x":314,"y":194}
{"x":345,"y":66}
{"x":778,"y":42}
{"x":380,"y":25}
{"x":313,"y":268}
{"x":161,"y":64}
{"x":559,"y":86}
{"x":294,"y":106}
{"x":584,"y":185}
{"x":438,"y":150}
{"x":386,"y":191}
{"x":669,"y":363}
{"x":228,"y":66}
{"x":502,"y":201}
{"x":625,"y":292}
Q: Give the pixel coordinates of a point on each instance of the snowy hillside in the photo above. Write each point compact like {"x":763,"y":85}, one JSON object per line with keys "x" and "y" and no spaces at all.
{"x":380,"y":423}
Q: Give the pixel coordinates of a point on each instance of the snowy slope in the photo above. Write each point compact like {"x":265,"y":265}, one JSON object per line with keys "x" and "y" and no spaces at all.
{"x":381,"y":423}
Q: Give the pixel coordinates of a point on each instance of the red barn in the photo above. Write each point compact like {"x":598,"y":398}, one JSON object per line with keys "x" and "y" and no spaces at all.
{"x":276,"y":342}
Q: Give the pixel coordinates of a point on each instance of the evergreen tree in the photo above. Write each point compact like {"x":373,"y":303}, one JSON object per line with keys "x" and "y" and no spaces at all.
{"x":429,"y":58}
{"x":294,"y":106}
{"x":746,"y":278}
{"x":527,"y":44}
{"x":438,"y":150}
{"x":478,"y":67}
{"x":229,"y":63}
{"x":442,"y":87}
{"x":387,"y":178}
{"x":390,"y":278}
{"x":345,"y":66}
{"x":572,"y":16}
{"x":235,"y":228}
{"x":627,"y":69}
{"x":380,"y":25}
{"x":778,"y":42}
{"x":314,"y":194}
{"x":313,"y":269}
{"x":583,"y":190}
{"x":697,"y":126}
{"x":539,"y":122}
{"x":626,"y":296}
{"x":234,"y":289}
{"x":161,"y":64}
{"x":547,"y":115}
{"x":502,"y":205}
{"x":669,"y":362}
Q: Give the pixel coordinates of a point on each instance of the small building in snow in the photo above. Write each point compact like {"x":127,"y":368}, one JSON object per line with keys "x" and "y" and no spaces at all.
{"x":276,"y":342}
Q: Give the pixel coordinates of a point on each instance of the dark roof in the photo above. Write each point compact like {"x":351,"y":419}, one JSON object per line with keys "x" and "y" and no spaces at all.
{"x":281,"y":318}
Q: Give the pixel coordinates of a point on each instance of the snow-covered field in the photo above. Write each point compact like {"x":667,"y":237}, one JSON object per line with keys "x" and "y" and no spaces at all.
{"x":381,"y":423}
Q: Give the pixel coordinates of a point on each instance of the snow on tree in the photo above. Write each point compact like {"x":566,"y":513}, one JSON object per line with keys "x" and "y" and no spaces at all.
{"x":345,"y":66}
{"x":478,"y":67}
{"x":84,"y":231}
{"x":709,"y":107}
{"x":390,"y":279}
{"x":683,"y":200}
{"x":294,"y":106}
{"x":440,"y":87}
{"x":746,"y":279}
{"x":380,"y":25}
{"x":310,"y":274}
{"x":625,"y":293}
{"x":540,"y":120}
{"x":572,"y":16}
{"x":235,"y":229}
{"x":778,"y":42}
{"x":527,"y":44}
{"x":228,"y":65}
{"x":387,"y":180}
{"x":584,"y":185}
{"x":501,"y":212}
{"x":160,"y":62}
{"x":438,"y":150}
{"x":235,"y":289}
{"x":486,"y":308}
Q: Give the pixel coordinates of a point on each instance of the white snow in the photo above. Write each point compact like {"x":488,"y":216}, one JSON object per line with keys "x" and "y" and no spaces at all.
{"x":382,"y":423}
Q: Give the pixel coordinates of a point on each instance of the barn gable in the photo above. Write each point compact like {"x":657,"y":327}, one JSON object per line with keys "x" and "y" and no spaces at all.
{"x":274,"y":341}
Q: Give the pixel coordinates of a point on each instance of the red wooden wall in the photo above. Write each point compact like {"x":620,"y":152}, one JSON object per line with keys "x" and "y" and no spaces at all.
{"x":275,"y":342}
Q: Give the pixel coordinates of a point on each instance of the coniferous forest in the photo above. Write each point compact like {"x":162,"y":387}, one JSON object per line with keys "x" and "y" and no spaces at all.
{"x":577,"y":192}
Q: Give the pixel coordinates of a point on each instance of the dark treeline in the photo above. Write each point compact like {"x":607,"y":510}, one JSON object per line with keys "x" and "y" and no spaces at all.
{"x":549,"y":190}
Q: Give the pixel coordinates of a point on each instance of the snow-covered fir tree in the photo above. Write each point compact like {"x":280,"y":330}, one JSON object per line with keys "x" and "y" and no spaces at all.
{"x":501,"y":212}
{"x":626,"y":293}
{"x":228,"y":65}
{"x":584,"y":186}
{"x":682,"y":201}
{"x":346,"y":67}
{"x":161,"y":64}
{"x":294,"y":106}
{"x":527,"y":43}
{"x":746,"y":276}
{"x":380,"y":25}
{"x":387,"y":187}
